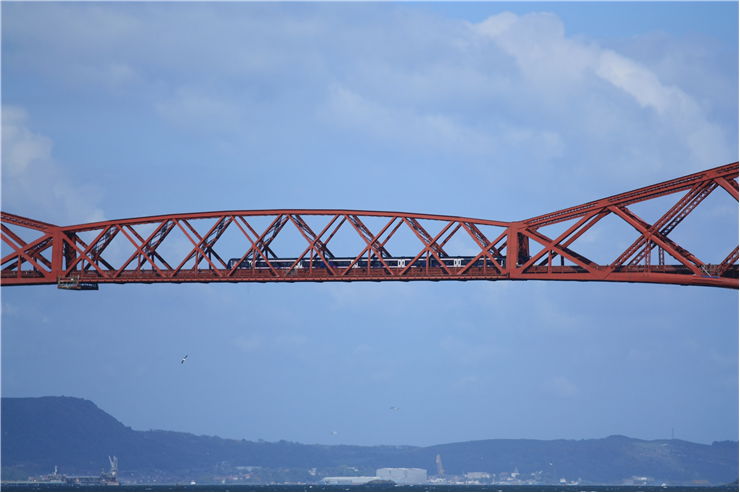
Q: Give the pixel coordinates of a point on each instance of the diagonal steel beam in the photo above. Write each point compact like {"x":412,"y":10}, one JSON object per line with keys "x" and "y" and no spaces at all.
{"x":728,"y":184}
{"x":678,"y":252}
{"x":672,"y":218}
{"x":254,"y":249}
{"x":317,"y":240}
{"x":427,"y":238}
{"x":371,"y":244}
{"x":565,"y":239}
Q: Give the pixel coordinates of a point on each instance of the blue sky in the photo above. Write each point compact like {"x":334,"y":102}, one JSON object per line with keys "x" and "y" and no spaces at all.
{"x":492,"y":110}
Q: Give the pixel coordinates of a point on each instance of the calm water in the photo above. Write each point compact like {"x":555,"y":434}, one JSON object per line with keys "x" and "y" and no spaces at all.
{"x":322,"y":488}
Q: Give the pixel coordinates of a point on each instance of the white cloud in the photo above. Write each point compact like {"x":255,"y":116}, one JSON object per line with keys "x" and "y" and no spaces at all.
{"x":565,"y":70}
{"x":675,"y":107}
{"x":403,"y":126}
{"x":431,"y":132}
{"x":504,"y":98}
{"x":497,"y":25}
{"x":638,"y":82}
{"x":21,"y":147}
{"x":542,"y":51}
{"x":33,"y":183}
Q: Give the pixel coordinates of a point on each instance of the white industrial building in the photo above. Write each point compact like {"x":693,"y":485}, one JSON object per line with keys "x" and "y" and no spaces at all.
{"x":403,"y":475}
{"x":349,"y":480}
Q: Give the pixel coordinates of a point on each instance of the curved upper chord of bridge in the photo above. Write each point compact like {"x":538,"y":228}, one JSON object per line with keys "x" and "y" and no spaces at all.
{"x":344,"y":245}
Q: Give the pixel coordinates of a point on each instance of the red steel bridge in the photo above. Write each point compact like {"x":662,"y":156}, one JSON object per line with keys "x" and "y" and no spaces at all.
{"x":346,"y":245}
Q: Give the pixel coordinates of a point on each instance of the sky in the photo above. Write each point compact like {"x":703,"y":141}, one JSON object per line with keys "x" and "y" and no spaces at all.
{"x":492,"y":110}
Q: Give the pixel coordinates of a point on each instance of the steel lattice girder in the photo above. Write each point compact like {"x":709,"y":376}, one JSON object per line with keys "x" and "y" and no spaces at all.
{"x":496,"y":250}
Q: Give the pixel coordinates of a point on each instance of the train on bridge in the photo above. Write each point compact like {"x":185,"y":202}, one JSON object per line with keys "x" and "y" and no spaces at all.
{"x":316,"y":245}
{"x":360,"y":263}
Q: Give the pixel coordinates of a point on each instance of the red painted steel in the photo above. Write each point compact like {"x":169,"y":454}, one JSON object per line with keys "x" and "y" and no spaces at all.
{"x":179,"y":248}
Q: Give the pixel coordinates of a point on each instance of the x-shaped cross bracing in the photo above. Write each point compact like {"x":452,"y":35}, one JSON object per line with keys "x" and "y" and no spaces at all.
{"x":339,"y":245}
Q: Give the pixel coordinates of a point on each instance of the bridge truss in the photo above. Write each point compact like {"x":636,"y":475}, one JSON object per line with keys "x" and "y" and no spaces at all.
{"x":345,"y":245}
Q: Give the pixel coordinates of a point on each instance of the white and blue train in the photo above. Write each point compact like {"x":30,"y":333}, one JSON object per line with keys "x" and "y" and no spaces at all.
{"x":339,"y":263}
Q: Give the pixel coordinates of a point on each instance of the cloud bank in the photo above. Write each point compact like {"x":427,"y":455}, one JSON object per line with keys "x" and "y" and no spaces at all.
{"x":509,"y":95}
{"x":33,"y":183}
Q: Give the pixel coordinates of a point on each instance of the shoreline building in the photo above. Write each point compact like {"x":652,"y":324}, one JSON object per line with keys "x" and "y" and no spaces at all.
{"x":349,"y":480}
{"x":403,"y":475}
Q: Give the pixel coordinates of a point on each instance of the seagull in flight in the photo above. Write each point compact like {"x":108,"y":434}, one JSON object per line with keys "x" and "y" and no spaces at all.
{"x":183,"y":359}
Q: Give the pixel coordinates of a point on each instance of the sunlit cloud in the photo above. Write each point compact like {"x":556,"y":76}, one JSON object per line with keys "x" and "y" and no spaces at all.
{"x":33,"y":183}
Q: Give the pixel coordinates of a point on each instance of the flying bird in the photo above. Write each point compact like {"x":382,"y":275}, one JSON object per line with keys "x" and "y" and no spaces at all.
{"x":394,"y":408}
{"x":183,"y":359}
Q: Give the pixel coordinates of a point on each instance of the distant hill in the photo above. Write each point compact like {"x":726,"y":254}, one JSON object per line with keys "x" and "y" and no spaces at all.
{"x":39,"y":433}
